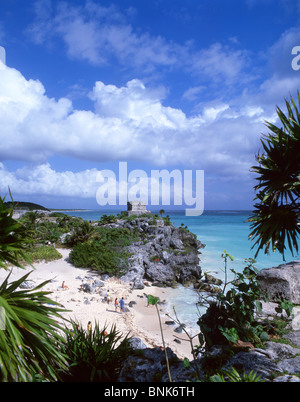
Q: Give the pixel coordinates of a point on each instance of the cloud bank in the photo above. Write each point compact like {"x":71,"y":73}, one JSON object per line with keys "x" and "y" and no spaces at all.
{"x":133,"y":122}
{"x":128,"y":123}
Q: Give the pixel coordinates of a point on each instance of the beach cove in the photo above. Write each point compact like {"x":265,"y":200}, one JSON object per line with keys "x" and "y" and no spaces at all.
{"x":218,"y":230}
{"x":137,"y":321}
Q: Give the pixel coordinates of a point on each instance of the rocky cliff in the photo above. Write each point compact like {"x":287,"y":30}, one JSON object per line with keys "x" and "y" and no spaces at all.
{"x":165,"y":255}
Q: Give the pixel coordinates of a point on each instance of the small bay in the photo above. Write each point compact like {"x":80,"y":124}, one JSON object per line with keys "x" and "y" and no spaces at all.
{"x":219,"y":231}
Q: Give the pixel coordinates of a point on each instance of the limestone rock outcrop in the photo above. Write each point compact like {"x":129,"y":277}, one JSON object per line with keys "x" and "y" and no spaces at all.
{"x":164,"y":255}
{"x":282,"y":282}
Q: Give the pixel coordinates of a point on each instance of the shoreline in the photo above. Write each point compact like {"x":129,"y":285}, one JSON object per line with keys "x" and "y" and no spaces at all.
{"x":139,"y":320}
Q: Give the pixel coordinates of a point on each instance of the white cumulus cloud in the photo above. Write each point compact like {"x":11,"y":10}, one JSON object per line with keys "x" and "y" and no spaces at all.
{"x":43,"y":180}
{"x":129,"y":123}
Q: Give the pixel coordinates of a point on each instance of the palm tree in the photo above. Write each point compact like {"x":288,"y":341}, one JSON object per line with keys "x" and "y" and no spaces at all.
{"x":14,"y":238}
{"x":29,"y":332}
{"x":31,"y":217}
{"x":82,"y":233}
{"x":275,"y":220}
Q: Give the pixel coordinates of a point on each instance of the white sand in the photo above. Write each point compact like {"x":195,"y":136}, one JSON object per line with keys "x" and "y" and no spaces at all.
{"x":139,"y":321}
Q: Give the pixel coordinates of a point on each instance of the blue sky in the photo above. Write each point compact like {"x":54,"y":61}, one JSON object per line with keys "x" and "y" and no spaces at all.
{"x":170,"y":84}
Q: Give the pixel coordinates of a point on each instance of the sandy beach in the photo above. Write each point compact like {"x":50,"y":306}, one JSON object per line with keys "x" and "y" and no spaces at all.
{"x":139,"y":320}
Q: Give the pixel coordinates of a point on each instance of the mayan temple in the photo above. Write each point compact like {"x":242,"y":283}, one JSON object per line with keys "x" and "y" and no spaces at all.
{"x":136,"y":208}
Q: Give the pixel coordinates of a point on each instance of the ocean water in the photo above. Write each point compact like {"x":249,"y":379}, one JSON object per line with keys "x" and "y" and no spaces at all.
{"x":219,"y":231}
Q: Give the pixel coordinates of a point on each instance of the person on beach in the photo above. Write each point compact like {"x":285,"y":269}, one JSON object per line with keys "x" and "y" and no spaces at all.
{"x":65,"y":287}
{"x":89,"y":326}
{"x":116,"y":304}
{"x":122,"y":304}
{"x":107,"y":297}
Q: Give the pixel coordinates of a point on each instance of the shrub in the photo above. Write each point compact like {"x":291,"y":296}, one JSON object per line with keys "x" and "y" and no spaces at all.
{"x":43,"y":253}
{"x":105,"y":219}
{"x":28,"y":346}
{"x":232,"y":375}
{"x":29,"y":340}
{"x":105,"y":252}
{"x":81,"y":233}
{"x":94,"y":355}
{"x":94,"y":255}
{"x":48,"y":231}
{"x":230,"y":316}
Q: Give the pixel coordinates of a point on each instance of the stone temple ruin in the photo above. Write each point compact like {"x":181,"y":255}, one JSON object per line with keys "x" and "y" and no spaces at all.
{"x":136,"y":208}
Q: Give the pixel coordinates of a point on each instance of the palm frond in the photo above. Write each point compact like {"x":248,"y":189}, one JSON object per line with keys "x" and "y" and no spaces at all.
{"x":275,"y":220}
{"x":29,"y":342}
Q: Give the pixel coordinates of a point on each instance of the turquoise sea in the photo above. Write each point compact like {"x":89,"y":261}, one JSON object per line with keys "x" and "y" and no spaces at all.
{"x":219,"y":231}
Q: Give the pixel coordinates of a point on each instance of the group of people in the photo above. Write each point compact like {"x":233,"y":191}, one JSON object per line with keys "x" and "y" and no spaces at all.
{"x":118,"y":304}
{"x":121,"y":303}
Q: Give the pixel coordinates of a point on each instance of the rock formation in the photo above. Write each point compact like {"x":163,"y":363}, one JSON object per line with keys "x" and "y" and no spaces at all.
{"x":164,"y":255}
{"x":282,"y":282}
{"x":276,"y":362}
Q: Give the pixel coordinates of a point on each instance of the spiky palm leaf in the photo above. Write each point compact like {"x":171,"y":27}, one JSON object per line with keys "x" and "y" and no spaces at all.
{"x":29,"y":336}
{"x":14,"y":238}
{"x":29,"y":332}
{"x":275,"y":220}
{"x":94,"y":355}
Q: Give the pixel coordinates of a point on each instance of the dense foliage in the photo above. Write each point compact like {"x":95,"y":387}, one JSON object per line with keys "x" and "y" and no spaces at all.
{"x":232,"y":375}
{"x":30,"y":339}
{"x":105,"y":252}
{"x":230,"y":316}
{"x":31,"y":206}
{"x":39,"y":253}
{"x":275,"y":220}
{"x":29,"y":334}
{"x":94,"y":355}
{"x":14,"y":238}
{"x":50,"y":228}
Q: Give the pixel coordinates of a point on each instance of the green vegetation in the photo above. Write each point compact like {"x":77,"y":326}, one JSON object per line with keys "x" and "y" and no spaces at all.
{"x":105,"y":219}
{"x":43,"y":253}
{"x":94,"y":355}
{"x":24,"y":205}
{"x":50,"y":228}
{"x":105,"y":252}
{"x":45,"y":231}
{"x":14,"y":238}
{"x":232,"y":318}
{"x":153,"y":301}
{"x":33,"y":345}
{"x":29,"y":341}
{"x":29,"y":336}
{"x":232,"y":375}
{"x":275,"y":220}
{"x":81,"y":233}
{"x":94,"y":255}
{"x":93,"y":246}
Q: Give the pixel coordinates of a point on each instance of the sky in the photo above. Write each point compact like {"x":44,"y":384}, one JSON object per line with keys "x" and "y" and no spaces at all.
{"x":159,"y":85}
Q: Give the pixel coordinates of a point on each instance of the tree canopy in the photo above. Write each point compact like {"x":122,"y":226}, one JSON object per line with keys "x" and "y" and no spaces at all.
{"x":275,"y":219}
